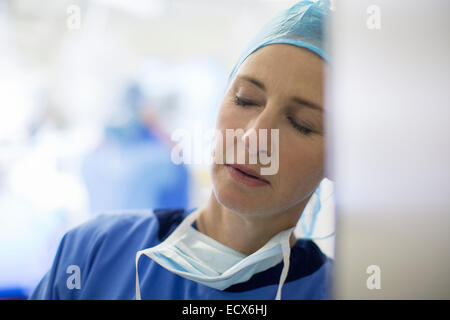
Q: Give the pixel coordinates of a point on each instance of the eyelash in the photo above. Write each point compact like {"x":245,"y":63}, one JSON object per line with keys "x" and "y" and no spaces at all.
{"x":300,"y":128}
{"x":240,"y":102}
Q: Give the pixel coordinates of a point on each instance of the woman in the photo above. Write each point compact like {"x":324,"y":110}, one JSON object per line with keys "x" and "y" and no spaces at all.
{"x":240,"y":245}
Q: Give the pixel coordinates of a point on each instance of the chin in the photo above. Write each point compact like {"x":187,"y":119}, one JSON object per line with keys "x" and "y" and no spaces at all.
{"x":234,"y":198}
{"x":237,"y":201}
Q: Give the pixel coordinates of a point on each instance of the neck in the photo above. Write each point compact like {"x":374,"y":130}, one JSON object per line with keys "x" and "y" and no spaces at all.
{"x":242,"y":232}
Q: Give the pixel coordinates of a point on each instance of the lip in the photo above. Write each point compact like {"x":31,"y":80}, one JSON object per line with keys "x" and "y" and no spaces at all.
{"x":246,"y":175}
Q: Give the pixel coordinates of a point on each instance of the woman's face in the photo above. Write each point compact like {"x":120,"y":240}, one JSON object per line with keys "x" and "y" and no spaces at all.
{"x":261,"y":96}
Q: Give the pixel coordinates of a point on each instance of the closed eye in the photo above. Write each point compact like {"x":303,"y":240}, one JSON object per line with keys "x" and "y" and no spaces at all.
{"x":242,"y":102}
{"x":299,"y":127}
{"x":304,"y":130}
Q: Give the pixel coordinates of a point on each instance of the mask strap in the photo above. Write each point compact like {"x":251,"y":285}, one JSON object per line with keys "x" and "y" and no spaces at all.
{"x":138,"y":289}
{"x":286,"y":249}
{"x":187,"y":221}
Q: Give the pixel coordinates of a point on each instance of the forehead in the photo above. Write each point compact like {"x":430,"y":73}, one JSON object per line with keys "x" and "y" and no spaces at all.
{"x":287,"y":69}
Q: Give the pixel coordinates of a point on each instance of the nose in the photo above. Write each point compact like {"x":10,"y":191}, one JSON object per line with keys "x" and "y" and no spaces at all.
{"x":257,"y":137}
{"x":254,"y":142}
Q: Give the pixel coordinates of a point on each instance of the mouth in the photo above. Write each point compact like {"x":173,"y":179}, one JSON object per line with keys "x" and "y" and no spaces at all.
{"x":246,"y":175}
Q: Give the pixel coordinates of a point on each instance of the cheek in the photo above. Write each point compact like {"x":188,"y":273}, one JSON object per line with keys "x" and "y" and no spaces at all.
{"x":301,"y":165}
{"x":225,"y":120}
{"x":229,"y":117}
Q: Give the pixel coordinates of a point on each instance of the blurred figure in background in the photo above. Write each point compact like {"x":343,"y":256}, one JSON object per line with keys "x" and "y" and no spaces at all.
{"x":131,"y":168}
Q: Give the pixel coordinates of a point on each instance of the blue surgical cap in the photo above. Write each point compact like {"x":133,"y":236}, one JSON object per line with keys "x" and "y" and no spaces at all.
{"x":301,"y":25}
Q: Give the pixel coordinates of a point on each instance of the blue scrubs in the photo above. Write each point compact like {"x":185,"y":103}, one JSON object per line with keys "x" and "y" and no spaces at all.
{"x":103,"y":251}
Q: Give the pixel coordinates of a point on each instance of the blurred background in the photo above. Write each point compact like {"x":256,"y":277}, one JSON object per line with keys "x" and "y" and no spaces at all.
{"x":90,"y":92}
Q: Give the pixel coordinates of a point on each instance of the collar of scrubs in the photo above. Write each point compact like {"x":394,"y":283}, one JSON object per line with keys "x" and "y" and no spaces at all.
{"x":197,"y":257}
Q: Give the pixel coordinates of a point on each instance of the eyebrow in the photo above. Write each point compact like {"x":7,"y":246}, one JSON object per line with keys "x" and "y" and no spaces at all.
{"x":298,"y":100}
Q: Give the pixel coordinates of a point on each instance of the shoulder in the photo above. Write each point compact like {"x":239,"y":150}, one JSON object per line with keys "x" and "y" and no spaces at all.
{"x":146,"y":226}
{"x":112,"y":223}
{"x":312,"y":270}
{"x":90,"y":248}
{"x":80,"y":247}
{"x":308,"y":250}
{"x":307,"y":264}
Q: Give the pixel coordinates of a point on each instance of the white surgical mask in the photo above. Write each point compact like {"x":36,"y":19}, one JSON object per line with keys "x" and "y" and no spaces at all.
{"x":195,"y":256}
